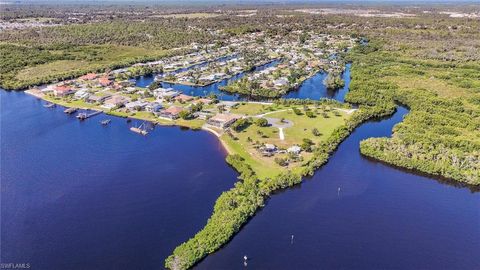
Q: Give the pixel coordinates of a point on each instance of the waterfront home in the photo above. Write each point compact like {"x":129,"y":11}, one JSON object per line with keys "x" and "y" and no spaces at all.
{"x":153,"y":107}
{"x":130,"y":90}
{"x":165,"y":92}
{"x":173,"y":112}
{"x":294,"y":149}
{"x":223,"y":120}
{"x":183,"y":98}
{"x":136,"y":105}
{"x":281,"y":82}
{"x":115,"y":101}
{"x":203,"y":115}
{"x":81,"y":94}
{"x":205,"y":101}
{"x":97,"y":98}
{"x":62,"y":91}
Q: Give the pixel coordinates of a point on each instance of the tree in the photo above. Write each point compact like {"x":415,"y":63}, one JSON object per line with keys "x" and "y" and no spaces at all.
{"x":310,"y":114}
{"x":315,"y":132}
{"x":261,"y":122}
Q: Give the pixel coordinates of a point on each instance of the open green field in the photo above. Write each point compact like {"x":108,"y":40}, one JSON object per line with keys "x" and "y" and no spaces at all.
{"x":244,"y":144}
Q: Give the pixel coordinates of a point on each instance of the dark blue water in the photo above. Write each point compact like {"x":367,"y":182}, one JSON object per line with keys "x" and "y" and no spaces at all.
{"x":382,"y":218}
{"x":313,"y":88}
{"x":82,"y":196}
{"x":77,"y":195}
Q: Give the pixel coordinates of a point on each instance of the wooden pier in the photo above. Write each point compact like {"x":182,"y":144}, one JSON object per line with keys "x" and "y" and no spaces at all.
{"x":86,"y":115}
{"x":70,"y":110}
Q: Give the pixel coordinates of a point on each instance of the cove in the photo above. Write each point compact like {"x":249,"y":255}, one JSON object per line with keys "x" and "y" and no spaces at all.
{"x":77,"y":195}
{"x":355,"y":213}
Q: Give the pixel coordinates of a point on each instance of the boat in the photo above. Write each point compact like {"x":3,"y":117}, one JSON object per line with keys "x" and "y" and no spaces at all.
{"x":140,"y":129}
{"x":49,"y":105}
{"x":82,"y":116}
{"x":105,"y":122}
{"x":70,"y":110}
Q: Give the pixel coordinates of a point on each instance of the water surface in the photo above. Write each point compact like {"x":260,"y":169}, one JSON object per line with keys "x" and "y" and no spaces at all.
{"x":360,"y":214}
{"x":77,"y":195}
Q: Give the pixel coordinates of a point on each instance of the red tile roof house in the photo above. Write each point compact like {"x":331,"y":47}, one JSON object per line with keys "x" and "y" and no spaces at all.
{"x":61,"y":91}
{"x":172,"y":112}
{"x":89,"y":77}
{"x":202,"y":100}
{"x":183,"y":98}
{"x":104,"y":81}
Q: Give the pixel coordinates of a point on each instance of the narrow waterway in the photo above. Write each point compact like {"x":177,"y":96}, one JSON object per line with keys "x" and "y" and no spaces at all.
{"x":355,"y":213}
{"x":312,"y":88}
{"x":214,"y":88}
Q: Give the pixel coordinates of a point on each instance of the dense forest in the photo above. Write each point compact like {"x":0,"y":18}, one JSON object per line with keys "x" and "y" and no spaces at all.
{"x":440,"y":135}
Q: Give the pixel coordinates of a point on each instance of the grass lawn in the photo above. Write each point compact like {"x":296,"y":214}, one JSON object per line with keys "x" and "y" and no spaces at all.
{"x":255,"y":108}
{"x":294,"y":135}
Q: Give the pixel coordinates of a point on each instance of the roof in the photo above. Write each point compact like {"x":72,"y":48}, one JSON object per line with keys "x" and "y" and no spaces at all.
{"x":104,"y":81}
{"x":174,"y":110}
{"x":294,"y":148}
{"x":62,"y":88}
{"x":184,"y":97}
{"x":89,"y":76}
{"x":223,"y":117}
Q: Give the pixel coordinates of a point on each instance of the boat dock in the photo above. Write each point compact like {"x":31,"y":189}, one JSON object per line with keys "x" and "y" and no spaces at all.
{"x":86,"y":115}
{"x":142,"y":130}
{"x":70,"y":110}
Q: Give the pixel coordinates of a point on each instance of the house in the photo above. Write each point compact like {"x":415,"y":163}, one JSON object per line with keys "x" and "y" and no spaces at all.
{"x":136,"y":105}
{"x":268,"y":147}
{"x":62,"y":91}
{"x":280,"y":82}
{"x":104,"y":81}
{"x":223,"y":120}
{"x":153,"y":107}
{"x":183,"y":98}
{"x":82,"y":94}
{"x":294,"y":149}
{"x":165,"y":92}
{"x":205,"y":101}
{"x":97,"y":99}
{"x":115,"y":101}
{"x":203,"y":115}
{"x":173,"y":112}
{"x":89,"y":77}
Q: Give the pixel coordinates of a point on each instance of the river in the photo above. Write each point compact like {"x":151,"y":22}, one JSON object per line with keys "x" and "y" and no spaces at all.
{"x":355,"y":213}
{"x":77,"y":195}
